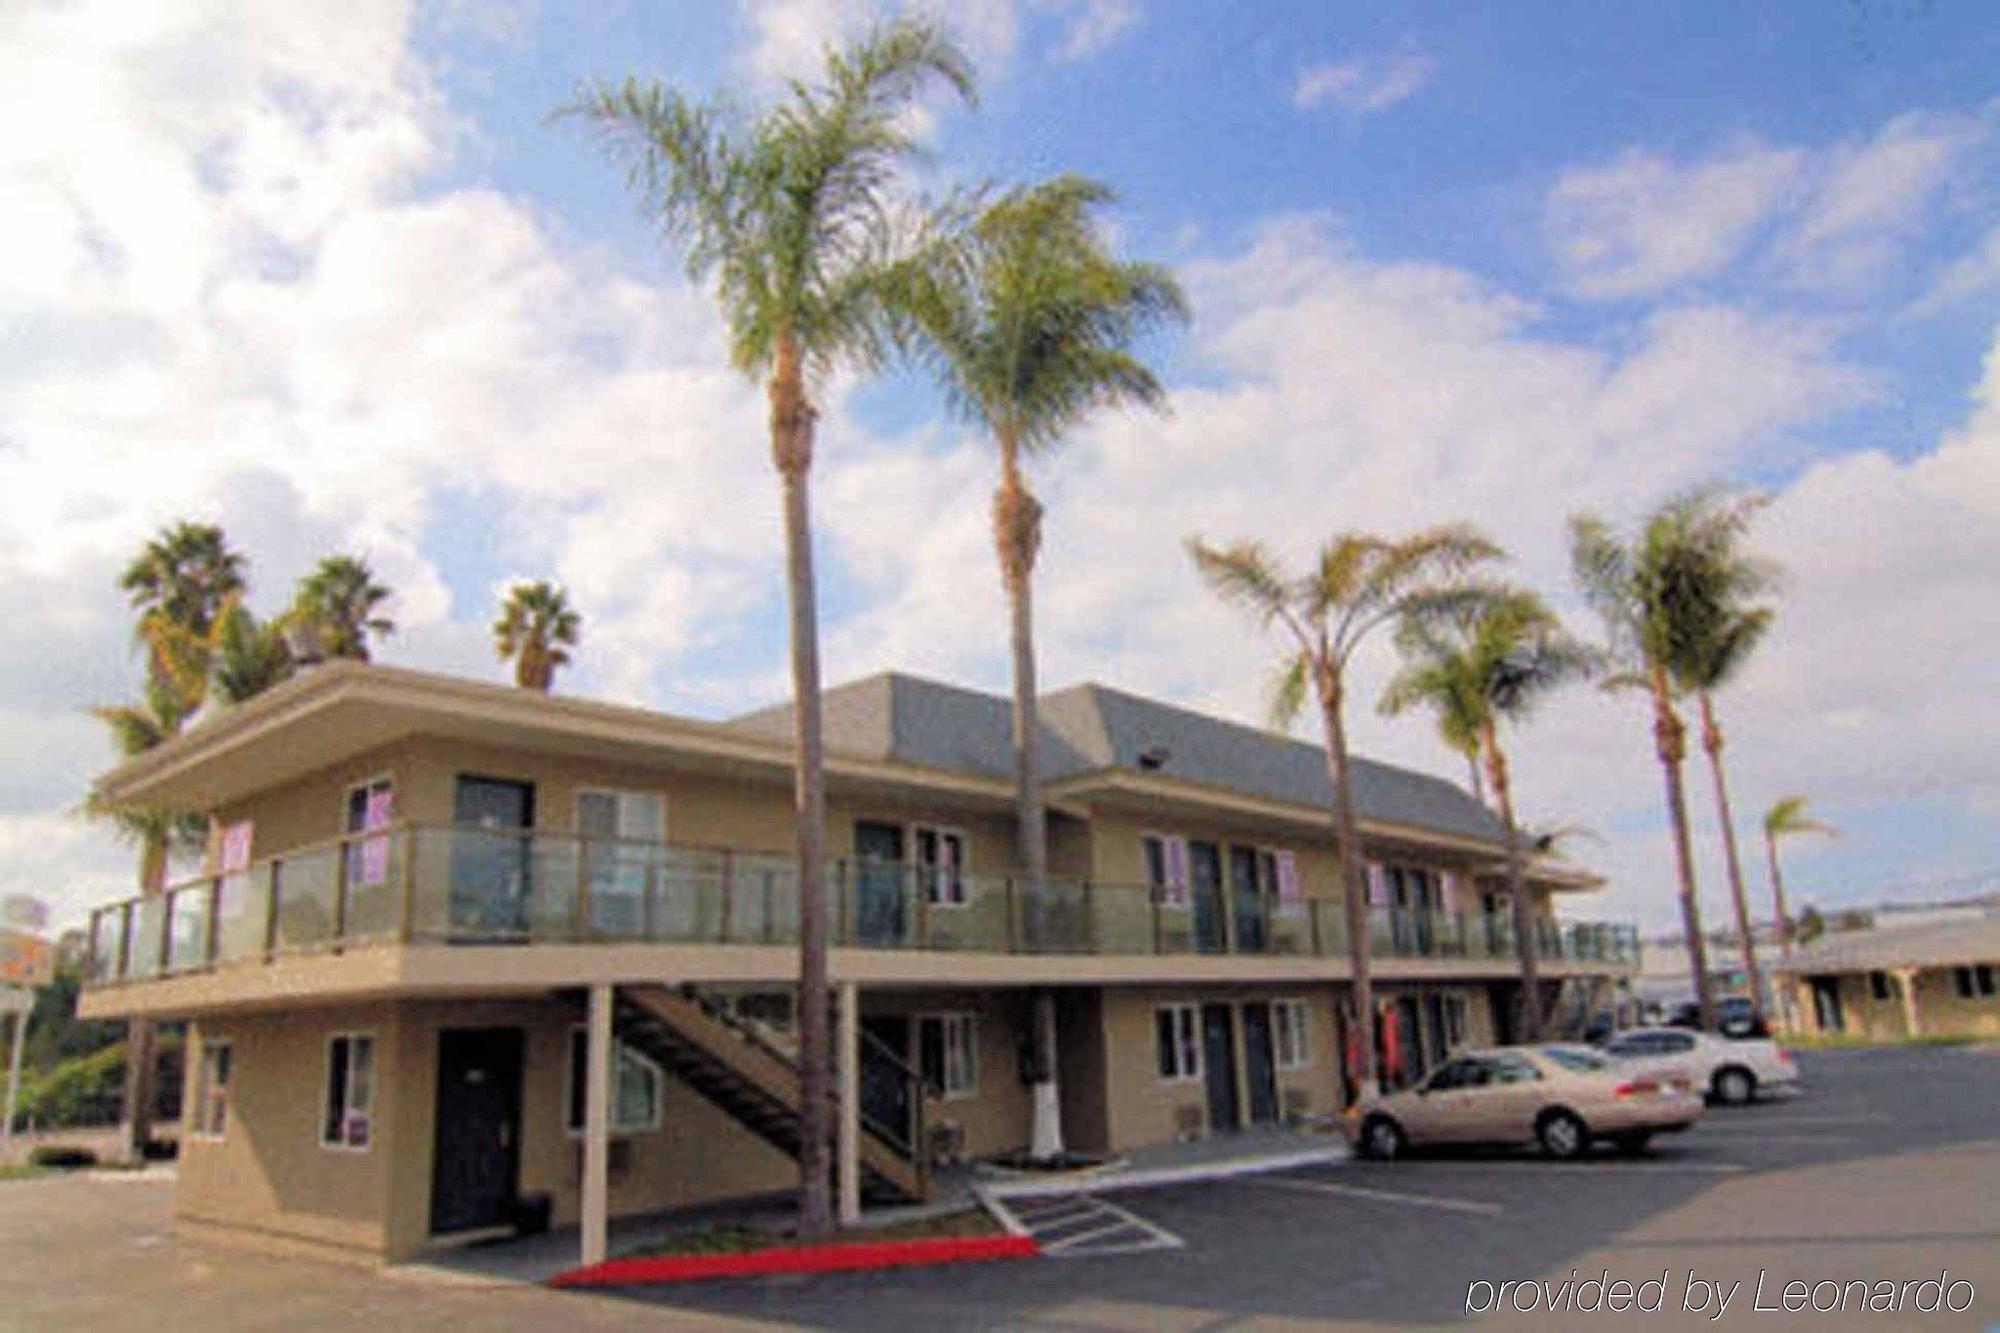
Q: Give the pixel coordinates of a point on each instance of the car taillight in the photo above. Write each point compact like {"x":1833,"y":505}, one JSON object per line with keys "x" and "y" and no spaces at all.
{"x":1784,"y":1056}
{"x":1636,"y":1088}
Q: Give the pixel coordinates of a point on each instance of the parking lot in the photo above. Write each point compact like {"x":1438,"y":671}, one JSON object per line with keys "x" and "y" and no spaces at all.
{"x":1887,"y":1168}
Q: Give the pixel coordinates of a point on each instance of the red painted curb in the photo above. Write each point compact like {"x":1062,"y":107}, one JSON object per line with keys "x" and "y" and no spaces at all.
{"x":799,"y":1259}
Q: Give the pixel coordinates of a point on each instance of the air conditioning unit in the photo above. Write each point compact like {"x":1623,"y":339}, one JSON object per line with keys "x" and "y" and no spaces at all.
{"x":1190,"y":1121}
{"x":1298,"y":1104}
{"x":947,"y":1143}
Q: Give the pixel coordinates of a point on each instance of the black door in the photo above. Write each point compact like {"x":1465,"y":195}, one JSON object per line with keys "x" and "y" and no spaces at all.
{"x":1218,"y":1059}
{"x":1260,"y":1064}
{"x":885,"y":1089}
{"x":478,"y":1128}
{"x":1247,"y":899}
{"x":491,"y":856}
{"x":1205,"y":870}
{"x":878,"y":884}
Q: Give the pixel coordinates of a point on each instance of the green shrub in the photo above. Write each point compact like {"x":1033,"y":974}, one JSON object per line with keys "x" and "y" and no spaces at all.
{"x":62,"y":1156}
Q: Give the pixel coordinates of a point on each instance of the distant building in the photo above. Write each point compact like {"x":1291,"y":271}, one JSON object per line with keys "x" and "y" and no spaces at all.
{"x":1937,"y":976}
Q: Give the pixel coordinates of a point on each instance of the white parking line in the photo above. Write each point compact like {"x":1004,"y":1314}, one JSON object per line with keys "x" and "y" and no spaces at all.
{"x":1817,"y":1120}
{"x":1381,"y":1196}
{"x":1761,"y":1136}
{"x":1082,"y":1225}
{"x":1607,"y":1168}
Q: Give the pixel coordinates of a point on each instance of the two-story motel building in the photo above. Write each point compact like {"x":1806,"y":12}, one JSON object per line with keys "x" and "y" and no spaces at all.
{"x":430,"y":902}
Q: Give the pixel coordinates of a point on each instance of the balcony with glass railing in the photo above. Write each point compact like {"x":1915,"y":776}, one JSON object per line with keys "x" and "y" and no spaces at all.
{"x":425,"y":885}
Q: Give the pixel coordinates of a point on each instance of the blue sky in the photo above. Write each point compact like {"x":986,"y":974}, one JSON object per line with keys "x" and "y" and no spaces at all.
{"x":336,"y":282}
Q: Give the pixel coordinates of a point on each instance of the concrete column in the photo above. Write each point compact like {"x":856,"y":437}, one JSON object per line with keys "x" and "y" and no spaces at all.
{"x":1906,"y":982}
{"x":1046,"y":1130}
{"x":597,"y":1128}
{"x":14,"y":1074}
{"x":847,"y":1167}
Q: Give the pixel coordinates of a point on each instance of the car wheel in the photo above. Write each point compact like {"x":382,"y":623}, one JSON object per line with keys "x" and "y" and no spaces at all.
{"x":1633,"y":1143}
{"x":1382,"y":1139}
{"x":1734,"y":1086}
{"x":1562,"y":1135}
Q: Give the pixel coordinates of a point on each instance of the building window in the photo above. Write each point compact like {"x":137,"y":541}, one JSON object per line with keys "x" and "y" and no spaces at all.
{"x":369,"y":806}
{"x":1292,"y":1034}
{"x":211,"y":1091}
{"x":1456,"y":1015}
{"x":635,"y":1086}
{"x":948,"y":1052}
{"x":623,"y":833}
{"x":1177,"y":1027}
{"x":1878,"y":985}
{"x":1166,"y":868}
{"x":941,"y":864}
{"x":1974,"y":983}
{"x":350,"y":1092}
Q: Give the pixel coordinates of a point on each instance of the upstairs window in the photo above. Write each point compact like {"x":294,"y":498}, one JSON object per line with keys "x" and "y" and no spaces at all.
{"x":941,"y":864}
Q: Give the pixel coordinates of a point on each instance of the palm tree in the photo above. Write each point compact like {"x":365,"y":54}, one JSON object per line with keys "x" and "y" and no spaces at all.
{"x":536,"y":628}
{"x":1656,"y":592}
{"x":179,"y":583}
{"x":792,"y":216}
{"x":1787,"y":818}
{"x":337,"y":610}
{"x":1497,"y":659}
{"x":247,"y":655}
{"x":1712,"y":659}
{"x":1028,"y":336}
{"x":1359,"y":584}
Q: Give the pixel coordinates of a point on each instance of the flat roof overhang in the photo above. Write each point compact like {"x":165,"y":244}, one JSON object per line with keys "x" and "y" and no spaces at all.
{"x":338,"y":710}
{"x":471,"y":972}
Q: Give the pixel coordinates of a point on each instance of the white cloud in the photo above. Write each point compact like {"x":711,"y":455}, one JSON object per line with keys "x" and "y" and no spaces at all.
{"x":1872,"y":194}
{"x":1090,"y":26}
{"x":1972,"y":273}
{"x":1365,"y":84}
{"x":1641,"y":223}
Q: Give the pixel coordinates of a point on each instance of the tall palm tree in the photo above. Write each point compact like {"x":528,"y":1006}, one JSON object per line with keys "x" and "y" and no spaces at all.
{"x":1359,"y":584}
{"x":1498,"y":659}
{"x":536,"y":629}
{"x":1656,"y":591}
{"x":793,"y":216}
{"x":338,"y":609}
{"x":1035,"y":330}
{"x":1713,"y":659}
{"x":179,"y":583}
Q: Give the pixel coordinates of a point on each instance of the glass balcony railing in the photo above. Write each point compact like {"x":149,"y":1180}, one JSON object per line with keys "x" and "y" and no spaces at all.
{"x":473,"y":886}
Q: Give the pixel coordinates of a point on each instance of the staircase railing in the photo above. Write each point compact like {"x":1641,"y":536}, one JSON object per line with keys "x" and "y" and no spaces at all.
{"x":909,"y":1147}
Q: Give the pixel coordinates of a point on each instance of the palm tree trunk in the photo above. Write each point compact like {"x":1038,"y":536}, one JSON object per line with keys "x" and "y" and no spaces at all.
{"x":791,"y":448}
{"x":1670,"y":743}
{"x":1017,"y":536}
{"x":1353,"y":880}
{"x":1478,"y":788}
{"x":1711,"y":741}
{"x":1517,"y":885}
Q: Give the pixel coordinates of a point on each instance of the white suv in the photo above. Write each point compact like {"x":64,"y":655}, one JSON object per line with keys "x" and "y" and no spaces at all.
{"x":1731,"y":1070}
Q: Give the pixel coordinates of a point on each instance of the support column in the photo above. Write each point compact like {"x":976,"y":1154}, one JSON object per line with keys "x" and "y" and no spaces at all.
{"x":14,"y":1074}
{"x":597,"y":1128}
{"x":847,"y":1047}
{"x":1047,"y":1127}
{"x":1906,"y":982}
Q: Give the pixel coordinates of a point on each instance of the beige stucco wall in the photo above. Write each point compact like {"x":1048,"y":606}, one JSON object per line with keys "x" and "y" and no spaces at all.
{"x":998,"y":1116}
{"x":312,"y":809}
{"x":1941,"y":1011}
{"x":1142,"y":1108}
{"x":268,"y":1173}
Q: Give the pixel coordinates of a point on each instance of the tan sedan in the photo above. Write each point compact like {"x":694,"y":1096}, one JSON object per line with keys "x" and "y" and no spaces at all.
{"x":1562,"y":1098}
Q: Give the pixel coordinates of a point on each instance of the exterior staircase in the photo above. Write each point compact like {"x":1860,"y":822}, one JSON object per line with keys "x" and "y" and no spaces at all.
{"x":757,"y":1084}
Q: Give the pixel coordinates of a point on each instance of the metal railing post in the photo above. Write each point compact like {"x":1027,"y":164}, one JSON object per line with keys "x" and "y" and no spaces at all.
{"x":406,"y":890}
{"x":580,"y":912}
{"x":1013,"y":912}
{"x":210,"y":946}
{"x":725,"y":914}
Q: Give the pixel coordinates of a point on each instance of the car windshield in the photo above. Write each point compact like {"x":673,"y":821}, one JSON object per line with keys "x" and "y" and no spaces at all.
{"x":1578,"y":1059}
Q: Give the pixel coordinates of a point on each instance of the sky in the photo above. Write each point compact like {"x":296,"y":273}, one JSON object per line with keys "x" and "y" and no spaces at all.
{"x":331,"y":277}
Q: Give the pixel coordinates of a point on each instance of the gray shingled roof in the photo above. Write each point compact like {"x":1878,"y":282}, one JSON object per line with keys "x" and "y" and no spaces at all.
{"x":1959,"y":940}
{"x":1087,"y":728}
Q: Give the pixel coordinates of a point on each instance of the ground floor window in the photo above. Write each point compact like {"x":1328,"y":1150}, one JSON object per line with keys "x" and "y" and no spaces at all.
{"x":1291,"y":1034}
{"x":1177,"y":1028}
{"x":1878,"y":985}
{"x":211,"y":1091}
{"x":1456,"y":1016}
{"x":635,"y":1086}
{"x":350,"y":1091}
{"x":1974,"y":983}
{"x":948,"y":1052}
